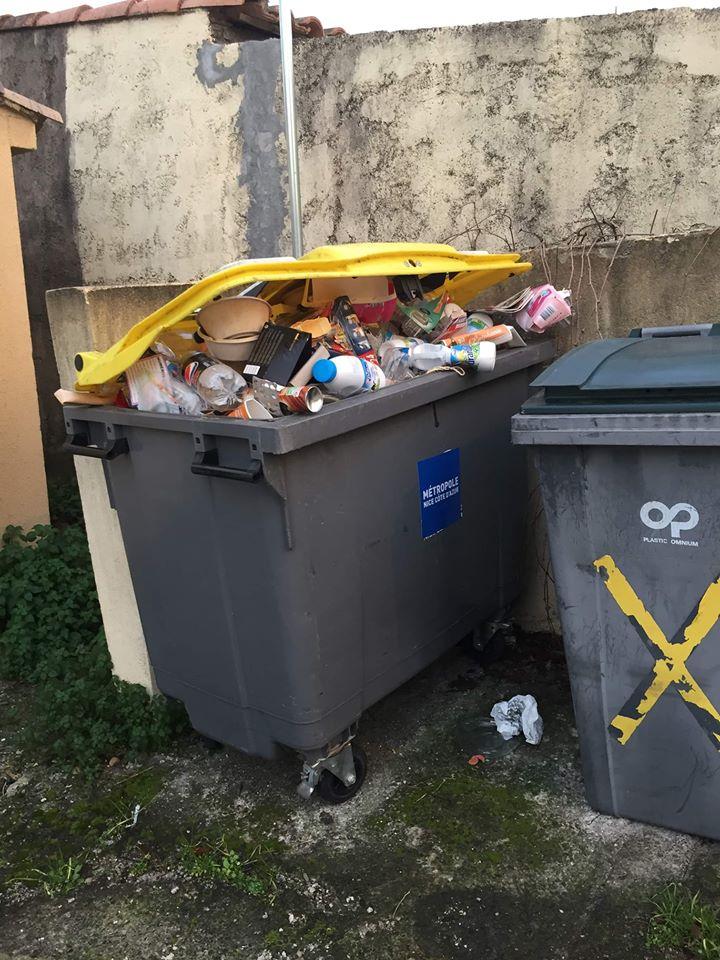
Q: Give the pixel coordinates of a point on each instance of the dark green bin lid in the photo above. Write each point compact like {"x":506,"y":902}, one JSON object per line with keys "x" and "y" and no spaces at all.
{"x":653,"y":370}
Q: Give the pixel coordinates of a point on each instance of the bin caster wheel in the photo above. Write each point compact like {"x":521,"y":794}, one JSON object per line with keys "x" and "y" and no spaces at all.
{"x":490,"y":642}
{"x":333,"y":790}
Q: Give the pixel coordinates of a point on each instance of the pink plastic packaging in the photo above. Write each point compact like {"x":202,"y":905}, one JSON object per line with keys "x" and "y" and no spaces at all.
{"x":547,"y":307}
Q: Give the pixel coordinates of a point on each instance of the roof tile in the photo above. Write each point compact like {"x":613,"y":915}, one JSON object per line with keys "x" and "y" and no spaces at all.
{"x":145,"y":8}
{"x":193,"y":4}
{"x":26,"y":20}
{"x":71,"y":15}
{"x":313,"y":25}
{"x":256,"y":11}
{"x":38,"y":112}
{"x":109,"y":11}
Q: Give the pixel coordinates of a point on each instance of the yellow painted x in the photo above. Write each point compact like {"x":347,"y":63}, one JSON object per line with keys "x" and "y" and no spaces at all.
{"x":671,"y":664}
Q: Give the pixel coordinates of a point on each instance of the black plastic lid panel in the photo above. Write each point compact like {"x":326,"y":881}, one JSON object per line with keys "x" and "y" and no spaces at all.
{"x":656,"y":369}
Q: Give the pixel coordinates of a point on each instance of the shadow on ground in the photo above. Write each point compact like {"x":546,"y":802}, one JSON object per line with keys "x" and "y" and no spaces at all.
{"x":208,"y":854}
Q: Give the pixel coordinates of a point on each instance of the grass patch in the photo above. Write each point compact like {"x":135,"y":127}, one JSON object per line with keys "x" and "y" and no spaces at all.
{"x":59,"y":876}
{"x":115,"y":802}
{"x":36,"y":842}
{"x":248,"y":866}
{"x":682,"y":922}
{"x":51,"y":636}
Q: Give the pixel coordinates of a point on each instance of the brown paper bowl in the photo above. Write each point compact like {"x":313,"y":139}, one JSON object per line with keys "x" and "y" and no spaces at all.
{"x":231,"y":351}
{"x":235,"y":316}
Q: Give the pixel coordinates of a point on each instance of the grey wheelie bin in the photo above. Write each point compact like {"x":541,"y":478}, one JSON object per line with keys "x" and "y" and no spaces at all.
{"x":291,"y":573}
{"x":626,"y":434}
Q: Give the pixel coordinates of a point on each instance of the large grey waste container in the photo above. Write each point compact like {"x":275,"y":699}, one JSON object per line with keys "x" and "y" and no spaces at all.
{"x":627,"y":440}
{"x":286,"y":572}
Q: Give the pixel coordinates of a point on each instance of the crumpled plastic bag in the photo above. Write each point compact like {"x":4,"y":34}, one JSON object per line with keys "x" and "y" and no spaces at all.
{"x":518,"y":714}
{"x":155,"y":386}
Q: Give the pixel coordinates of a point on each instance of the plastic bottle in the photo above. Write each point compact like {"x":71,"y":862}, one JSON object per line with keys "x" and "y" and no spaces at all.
{"x":218,"y":384}
{"x":499,"y":334}
{"x":345,"y":376}
{"x":427,"y":356}
{"x":395,"y":364}
{"x":394,"y":354}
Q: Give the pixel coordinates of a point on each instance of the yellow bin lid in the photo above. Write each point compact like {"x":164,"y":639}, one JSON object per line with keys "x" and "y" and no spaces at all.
{"x":471,"y":272}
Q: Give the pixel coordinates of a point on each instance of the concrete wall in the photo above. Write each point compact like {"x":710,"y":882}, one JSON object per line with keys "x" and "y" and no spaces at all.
{"x":635,"y":282}
{"x":23,"y":492}
{"x":504,"y":134}
{"x":493,"y":136}
{"x":155,"y":158}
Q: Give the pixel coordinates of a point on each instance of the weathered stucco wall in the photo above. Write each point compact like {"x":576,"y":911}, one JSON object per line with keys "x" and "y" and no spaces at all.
{"x":155,"y":159}
{"x":489,"y":136}
{"x":504,"y":134}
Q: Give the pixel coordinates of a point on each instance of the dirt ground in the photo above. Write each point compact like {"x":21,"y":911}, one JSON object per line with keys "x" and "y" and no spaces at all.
{"x":205,"y":853}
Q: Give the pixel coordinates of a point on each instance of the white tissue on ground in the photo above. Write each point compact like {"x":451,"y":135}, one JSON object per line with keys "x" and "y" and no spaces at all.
{"x":518,"y":714}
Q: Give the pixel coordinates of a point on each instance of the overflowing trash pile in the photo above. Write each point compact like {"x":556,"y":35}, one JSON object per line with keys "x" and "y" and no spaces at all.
{"x":252,"y":358}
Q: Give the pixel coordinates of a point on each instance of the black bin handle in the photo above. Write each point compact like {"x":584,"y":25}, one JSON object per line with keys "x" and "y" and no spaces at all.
{"x":78,"y":445}
{"x":205,"y":464}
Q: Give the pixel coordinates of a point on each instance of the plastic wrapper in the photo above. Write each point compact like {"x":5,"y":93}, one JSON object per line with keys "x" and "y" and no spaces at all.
{"x":459,"y":325}
{"x":348,"y":336}
{"x":419,"y":317}
{"x":154,"y":388}
{"x":423,"y":317}
{"x":520,"y":714}
{"x":536,"y":309}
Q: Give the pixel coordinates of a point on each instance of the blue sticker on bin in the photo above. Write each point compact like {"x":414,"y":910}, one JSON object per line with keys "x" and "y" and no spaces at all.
{"x":440,"y":502}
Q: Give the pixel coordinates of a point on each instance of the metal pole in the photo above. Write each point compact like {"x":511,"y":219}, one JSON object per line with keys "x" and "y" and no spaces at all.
{"x":286,"y":56}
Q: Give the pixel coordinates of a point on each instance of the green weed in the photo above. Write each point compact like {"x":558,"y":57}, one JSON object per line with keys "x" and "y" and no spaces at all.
{"x":51,"y":636}
{"x":55,"y":832}
{"x":141,"y":866}
{"x":682,"y":922}
{"x":60,"y":875}
{"x":65,"y":503}
{"x":249,"y":867}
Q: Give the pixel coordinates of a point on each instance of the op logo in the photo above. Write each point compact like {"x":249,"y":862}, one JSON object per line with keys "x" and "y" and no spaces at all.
{"x":679,"y":517}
